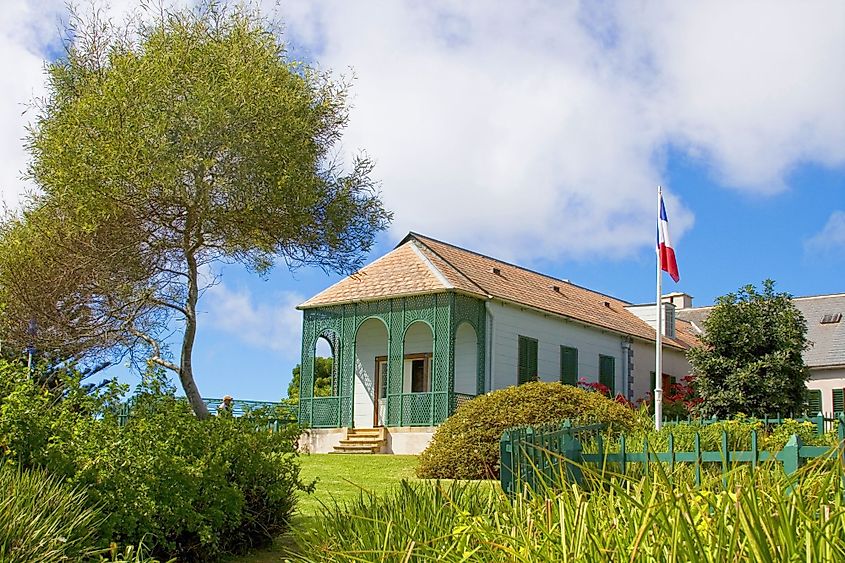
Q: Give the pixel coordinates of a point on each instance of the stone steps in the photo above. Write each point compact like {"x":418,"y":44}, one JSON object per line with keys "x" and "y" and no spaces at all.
{"x":362,"y":441}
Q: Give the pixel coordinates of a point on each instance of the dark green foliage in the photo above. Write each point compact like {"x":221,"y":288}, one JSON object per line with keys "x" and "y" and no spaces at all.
{"x":750,"y":359}
{"x":185,"y":487}
{"x":322,"y":379}
{"x":41,"y":519}
{"x":466,"y":445}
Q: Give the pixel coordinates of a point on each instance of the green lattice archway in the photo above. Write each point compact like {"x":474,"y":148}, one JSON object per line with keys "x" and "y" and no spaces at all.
{"x":442,"y":312}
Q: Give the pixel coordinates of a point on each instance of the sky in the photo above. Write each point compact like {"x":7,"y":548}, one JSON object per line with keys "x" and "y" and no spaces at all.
{"x":537,"y":132}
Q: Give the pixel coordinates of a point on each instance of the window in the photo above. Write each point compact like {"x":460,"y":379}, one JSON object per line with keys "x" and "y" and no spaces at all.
{"x":381,"y":374}
{"x":838,"y":400}
{"x":527,"y":365}
{"x":607,"y":373}
{"x":813,"y":401}
{"x":419,"y":375}
{"x":568,"y":365}
{"x":668,"y":381}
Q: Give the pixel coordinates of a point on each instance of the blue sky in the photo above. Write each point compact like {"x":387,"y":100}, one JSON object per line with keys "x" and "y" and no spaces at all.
{"x":537,"y":132}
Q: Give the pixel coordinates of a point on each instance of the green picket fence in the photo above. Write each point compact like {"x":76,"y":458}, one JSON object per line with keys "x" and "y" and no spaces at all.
{"x":824,"y":422}
{"x":536,"y":457}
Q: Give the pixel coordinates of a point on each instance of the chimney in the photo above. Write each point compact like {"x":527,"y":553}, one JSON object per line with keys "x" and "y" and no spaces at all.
{"x":679,"y":299}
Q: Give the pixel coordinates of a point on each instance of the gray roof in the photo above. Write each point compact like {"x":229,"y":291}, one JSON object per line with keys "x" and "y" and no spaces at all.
{"x":827,"y":340}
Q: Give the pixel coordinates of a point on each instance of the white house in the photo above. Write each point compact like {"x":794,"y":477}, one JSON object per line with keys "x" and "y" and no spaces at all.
{"x":430,"y":325}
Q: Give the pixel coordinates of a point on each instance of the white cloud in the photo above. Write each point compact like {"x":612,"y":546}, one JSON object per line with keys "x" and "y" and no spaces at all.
{"x":275,"y":325}
{"x":832,"y":236}
{"x":539,"y":129}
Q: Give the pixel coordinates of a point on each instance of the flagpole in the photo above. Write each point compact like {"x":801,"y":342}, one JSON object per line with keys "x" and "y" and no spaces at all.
{"x":658,"y":352}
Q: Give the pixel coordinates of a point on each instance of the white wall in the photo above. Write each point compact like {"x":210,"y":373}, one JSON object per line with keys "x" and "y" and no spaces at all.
{"x":370,"y":342}
{"x":674,"y":363}
{"x":551,"y":332}
{"x":466,"y":359}
{"x":827,"y":380}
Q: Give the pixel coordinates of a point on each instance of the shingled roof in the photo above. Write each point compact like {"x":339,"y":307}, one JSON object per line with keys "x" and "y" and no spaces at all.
{"x":420,"y":265}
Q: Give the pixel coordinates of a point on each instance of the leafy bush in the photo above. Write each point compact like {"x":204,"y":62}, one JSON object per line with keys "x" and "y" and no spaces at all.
{"x":41,"y":519}
{"x":185,"y":487}
{"x":466,"y":445}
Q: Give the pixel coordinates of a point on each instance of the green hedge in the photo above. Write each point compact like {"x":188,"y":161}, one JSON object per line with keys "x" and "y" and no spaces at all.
{"x":466,"y":445}
{"x":183,"y":487}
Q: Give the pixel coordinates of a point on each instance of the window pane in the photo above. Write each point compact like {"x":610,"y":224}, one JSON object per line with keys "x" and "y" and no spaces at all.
{"x":419,"y":377}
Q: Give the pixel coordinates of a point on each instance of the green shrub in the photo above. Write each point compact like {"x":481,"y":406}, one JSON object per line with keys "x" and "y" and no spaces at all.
{"x":466,"y":445}
{"x":184,"y":487}
{"x":41,"y":519}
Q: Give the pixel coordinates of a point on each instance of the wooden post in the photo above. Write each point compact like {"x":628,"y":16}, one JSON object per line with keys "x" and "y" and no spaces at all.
{"x":754,"y":450}
{"x":623,"y":459}
{"x":506,"y":462}
{"x":572,"y":455}
{"x":697,"y":459}
{"x":790,"y":454}
{"x":725,"y":459}
{"x":672,"y":454}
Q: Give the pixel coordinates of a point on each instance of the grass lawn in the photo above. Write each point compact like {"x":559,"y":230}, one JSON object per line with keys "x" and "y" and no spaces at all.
{"x":340,"y":478}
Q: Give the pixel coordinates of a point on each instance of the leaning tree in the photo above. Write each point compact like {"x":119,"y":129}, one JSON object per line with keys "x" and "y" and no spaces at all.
{"x":180,"y":140}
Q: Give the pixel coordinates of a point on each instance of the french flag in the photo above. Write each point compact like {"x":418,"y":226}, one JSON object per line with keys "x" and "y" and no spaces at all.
{"x":665,"y":251}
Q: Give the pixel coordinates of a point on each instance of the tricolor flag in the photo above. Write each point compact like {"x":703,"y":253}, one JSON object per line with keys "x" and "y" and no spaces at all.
{"x":665,"y":251}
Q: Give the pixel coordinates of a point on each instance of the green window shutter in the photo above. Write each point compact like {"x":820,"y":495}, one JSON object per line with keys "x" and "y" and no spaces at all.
{"x":607,"y":373}
{"x":813,"y":400}
{"x":838,"y":400}
{"x":527,"y":363}
{"x":568,"y":365}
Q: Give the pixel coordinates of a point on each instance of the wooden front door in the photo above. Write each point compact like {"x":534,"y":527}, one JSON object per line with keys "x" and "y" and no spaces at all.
{"x":380,"y":392}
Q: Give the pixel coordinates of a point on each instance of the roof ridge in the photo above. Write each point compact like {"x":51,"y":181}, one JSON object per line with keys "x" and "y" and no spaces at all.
{"x":434,"y":269}
{"x":512,"y":265}
{"x":458,"y":270}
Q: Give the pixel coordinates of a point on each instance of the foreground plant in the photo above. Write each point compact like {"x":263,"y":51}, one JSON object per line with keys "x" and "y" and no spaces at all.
{"x":761,"y":516}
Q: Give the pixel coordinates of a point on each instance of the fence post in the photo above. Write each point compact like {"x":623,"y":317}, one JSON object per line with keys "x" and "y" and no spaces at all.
{"x":506,"y":462}
{"x":645,"y":455}
{"x":572,"y":454}
{"x":755,"y":452}
{"x":623,"y":458}
{"x":672,"y":453}
{"x":697,"y":445}
{"x":789,"y":455}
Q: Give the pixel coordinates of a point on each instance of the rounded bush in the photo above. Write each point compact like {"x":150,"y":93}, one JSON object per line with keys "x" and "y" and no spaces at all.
{"x":466,"y":445}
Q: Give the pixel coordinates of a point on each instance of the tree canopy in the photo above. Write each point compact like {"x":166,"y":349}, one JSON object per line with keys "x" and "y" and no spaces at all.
{"x":750,"y":359}
{"x":181,"y":140}
{"x":322,"y":379}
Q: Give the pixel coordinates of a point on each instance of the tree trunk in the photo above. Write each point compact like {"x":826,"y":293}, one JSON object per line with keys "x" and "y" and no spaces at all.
{"x":186,"y":370}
